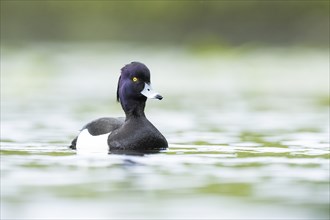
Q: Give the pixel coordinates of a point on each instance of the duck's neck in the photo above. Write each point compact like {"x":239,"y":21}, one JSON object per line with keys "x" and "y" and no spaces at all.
{"x":134,"y":109}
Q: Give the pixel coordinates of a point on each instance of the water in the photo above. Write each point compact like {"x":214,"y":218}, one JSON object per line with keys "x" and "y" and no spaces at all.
{"x":248,"y":134}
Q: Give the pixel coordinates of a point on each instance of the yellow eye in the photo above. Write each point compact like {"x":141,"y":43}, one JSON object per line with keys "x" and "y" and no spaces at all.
{"x":135,"y":79}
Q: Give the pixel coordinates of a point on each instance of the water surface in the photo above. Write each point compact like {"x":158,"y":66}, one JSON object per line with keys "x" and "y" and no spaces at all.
{"x":248,"y":134}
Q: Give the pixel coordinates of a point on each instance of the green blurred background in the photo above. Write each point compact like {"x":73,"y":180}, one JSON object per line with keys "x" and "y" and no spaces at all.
{"x":247,"y":121}
{"x":226,"y":23}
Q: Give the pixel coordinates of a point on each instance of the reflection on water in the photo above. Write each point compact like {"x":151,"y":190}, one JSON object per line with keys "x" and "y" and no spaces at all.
{"x":248,"y":134}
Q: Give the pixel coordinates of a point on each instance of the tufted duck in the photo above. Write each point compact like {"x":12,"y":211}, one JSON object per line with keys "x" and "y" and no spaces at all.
{"x":134,"y":133}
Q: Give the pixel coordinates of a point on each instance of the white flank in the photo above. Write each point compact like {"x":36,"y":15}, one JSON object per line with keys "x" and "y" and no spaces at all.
{"x":89,"y":144}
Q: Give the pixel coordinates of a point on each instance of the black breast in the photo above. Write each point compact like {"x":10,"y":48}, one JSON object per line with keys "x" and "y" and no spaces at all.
{"x":137,"y":134}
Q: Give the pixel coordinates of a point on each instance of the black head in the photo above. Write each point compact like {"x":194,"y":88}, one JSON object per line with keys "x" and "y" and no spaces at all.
{"x":134,"y":86}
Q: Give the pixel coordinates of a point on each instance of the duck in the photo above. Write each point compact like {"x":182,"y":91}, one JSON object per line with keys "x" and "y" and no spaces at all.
{"x":133,"y":133}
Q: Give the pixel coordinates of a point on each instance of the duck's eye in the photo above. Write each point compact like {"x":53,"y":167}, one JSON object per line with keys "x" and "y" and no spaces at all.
{"x":135,"y":79}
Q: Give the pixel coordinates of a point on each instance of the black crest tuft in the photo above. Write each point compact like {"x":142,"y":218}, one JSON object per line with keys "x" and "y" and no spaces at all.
{"x":118,"y":89}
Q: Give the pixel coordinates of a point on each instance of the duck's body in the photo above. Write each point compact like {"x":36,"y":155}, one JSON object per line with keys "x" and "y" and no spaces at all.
{"x":135,"y":133}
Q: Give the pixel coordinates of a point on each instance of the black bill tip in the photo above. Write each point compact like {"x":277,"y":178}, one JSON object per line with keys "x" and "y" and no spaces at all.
{"x":158,"y":97}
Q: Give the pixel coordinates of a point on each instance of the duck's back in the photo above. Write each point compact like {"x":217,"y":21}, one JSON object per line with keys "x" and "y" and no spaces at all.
{"x":103,"y":125}
{"x":96,"y":133}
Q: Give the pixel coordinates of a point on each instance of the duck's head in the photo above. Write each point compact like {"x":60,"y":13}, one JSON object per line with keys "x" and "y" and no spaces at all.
{"x":134,"y":86}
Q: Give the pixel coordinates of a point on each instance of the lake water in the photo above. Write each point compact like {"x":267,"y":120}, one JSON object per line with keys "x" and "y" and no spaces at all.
{"x":248,"y":133}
